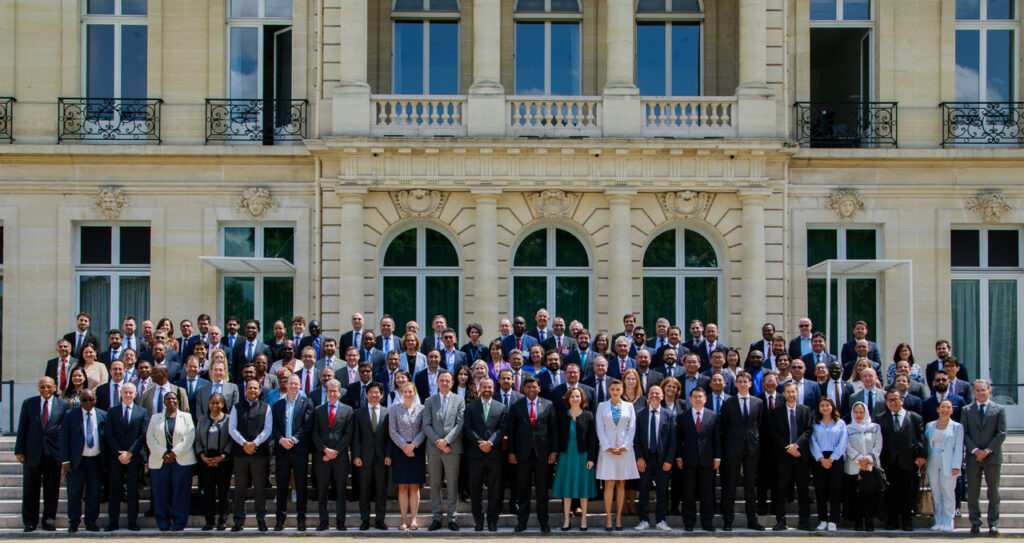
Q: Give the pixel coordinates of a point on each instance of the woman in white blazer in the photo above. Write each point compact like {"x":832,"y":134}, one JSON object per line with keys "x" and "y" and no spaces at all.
{"x":170,"y":437}
{"x":863,"y":450}
{"x":944,"y":439}
{"x":616,"y":425}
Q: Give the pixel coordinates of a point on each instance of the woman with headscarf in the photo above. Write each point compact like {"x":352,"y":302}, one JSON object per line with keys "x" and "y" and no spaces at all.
{"x":863,"y":450}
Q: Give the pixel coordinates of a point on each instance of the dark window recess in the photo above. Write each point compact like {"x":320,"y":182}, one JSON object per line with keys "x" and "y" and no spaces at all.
{"x":822,"y":245}
{"x":95,"y":245}
{"x":964,"y":248}
{"x":1,"y":245}
{"x":860,"y":245}
{"x":134,"y":245}
{"x":1003,"y":248}
{"x":279,"y":243}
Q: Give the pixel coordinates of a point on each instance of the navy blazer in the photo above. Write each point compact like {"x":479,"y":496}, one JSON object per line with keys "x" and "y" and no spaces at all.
{"x":849,"y":353}
{"x":810,"y":363}
{"x":666,"y":436}
{"x":129,"y":437}
{"x":702,"y":351}
{"x":183,"y":383}
{"x":89,"y":338}
{"x":844,"y":403}
{"x":72,"y":436}
{"x":238,"y":358}
{"x":698,"y":449}
{"x":586,"y":368}
{"x":659,"y":356}
{"x":913,"y":403}
{"x":558,"y":393}
{"x":34,"y":441}
{"x":508,"y":343}
{"x":302,"y":424}
{"x":930,"y":408}
{"x":614,"y":369}
{"x":812,"y":393}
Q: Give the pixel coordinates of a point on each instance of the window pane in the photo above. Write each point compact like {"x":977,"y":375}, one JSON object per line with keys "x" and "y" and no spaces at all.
{"x":650,"y":6}
{"x":816,"y":309}
{"x":530,"y":5}
{"x":279,"y":243}
{"x":856,"y":10}
{"x":572,"y":298}
{"x":529,"y":58}
{"x":569,"y":251}
{"x":134,"y":245}
{"x":133,"y":297}
{"x":100,"y":7}
{"x":860,"y":245}
{"x":968,"y":9}
{"x":1002,"y":339}
{"x":998,"y":87}
{"x":245,"y":8}
{"x":402,"y":250}
{"x":821,"y":245}
{"x":240,"y":241}
{"x":133,"y":61}
{"x":440,"y":251}
{"x":964,"y":248}
{"x":565,"y":59}
{"x":100,"y":58}
{"x":685,"y":60}
{"x":968,"y":63}
{"x":650,"y":57}
{"x":966,"y":315}
{"x":409,"y":5}
{"x":659,"y":300}
{"x":277,"y":8}
{"x":409,"y":57}
{"x":570,"y":6}
{"x":701,"y":298}
{"x":278,"y":294}
{"x":1000,"y":9}
{"x":399,"y":296}
{"x":529,"y":295}
{"x":862,"y":304}
{"x":699,"y":252}
{"x":94,"y":299}
{"x":444,"y":5}
{"x":133,"y":7}
{"x":240,"y":297}
{"x":244,"y":75}
{"x":95,"y":245}
{"x":684,"y":6}
{"x":823,"y":10}
{"x":1003,"y":248}
{"x":444,"y":57}
{"x":661,"y":253}
{"x":533,"y":250}
{"x":442,"y":298}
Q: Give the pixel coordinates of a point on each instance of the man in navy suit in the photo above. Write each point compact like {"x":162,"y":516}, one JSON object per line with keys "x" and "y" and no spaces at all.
{"x":957,"y":385}
{"x":116,"y":347}
{"x":741,"y":445}
{"x":836,"y":388}
{"x":552,"y":377}
{"x":82,"y":457}
{"x":244,"y":352}
{"x":231,"y":337}
{"x":654,"y":443}
{"x":542,"y":332}
{"x":817,"y":353}
{"x":696,"y":335}
{"x":765,"y":344}
{"x":942,"y":350}
{"x":801,"y":344}
{"x":572,"y":380}
{"x":126,"y":440}
{"x":582,"y":356}
{"x":191,"y":383}
{"x":131,"y":339}
{"x":621,"y":361}
{"x":639,"y":343}
{"x":37,"y":449}
{"x":910,"y":402}
{"x":109,"y":394}
{"x":849,"y":352}
{"x":532,"y":448}
{"x":451,"y":356}
{"x":434,"y":340}
{"x":709,"y":345}
{"x":808,"y":392}
{"x":81,"y":335}
{"x":698,"y":454}
{"x":674,"y":344}
{"x":518,"y":339}
{"x":940,"y":384}
{"x":293,"y":419}
{"x":426,"y":380}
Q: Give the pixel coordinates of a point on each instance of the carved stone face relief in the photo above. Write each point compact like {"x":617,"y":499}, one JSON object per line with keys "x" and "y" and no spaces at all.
{"x":845,"y":203}
{"x":110,"y":202}
{"x":685,"y":204}
{"x":256,"y":202}
{"x":991,"y":206}
{"x":419,"y":202}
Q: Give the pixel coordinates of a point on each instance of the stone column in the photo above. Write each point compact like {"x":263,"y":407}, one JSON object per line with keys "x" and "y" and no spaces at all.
{"x":623,"y":114}
{"x":754,"y":289}
{"x":486,"y":98}
{"x":620,"y":257}
{"x":351,"y":294}
{"x":756,"y":109}
{"x":485,"y":279}
{"x":351,"y":98}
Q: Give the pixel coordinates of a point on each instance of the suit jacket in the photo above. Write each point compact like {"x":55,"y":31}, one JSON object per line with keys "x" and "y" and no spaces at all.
{"x":183,"y":384}
{"x":741,"y":436}
{"x":524,"y":437}
{"x":302,"y":422}
{"x":35,"y":441}
{"x":699,"y":449}
{"x":781,"y":430}
{"x":558,"y":394}
{"x":108,"y":356}
{"x":667,"y":438}
{"x":913,"y":403}
{"x":761,"y":345}
{"x":535,"y":333}
{"x":988,"y":435}
{"x":702,"y":351}
{"x":52,"y":369}
{"x":812,"y":393}
{"x":458,"y":357}
{"x":431,"y":342}
{"x":354,"y":395}
{"x":962,"y":389}
{"x":764,"y":430}
{"x":137,"y":343}
{"x":338,"y":436}
{"x":238,"y":358}
{"x":730,"y":381}
{"x":513,"y":397}
{"x":129,"y":437}
{"x":72,"y":436}
{"x":795,"y":350}
{"x":301,"y":372}
{"x":103,"y":396}
{"x":568,"y":345}
{"x":203,"y":393}
{"x":422,"y":382}
{"x":225,"y":342}
{"x":918,"y":389}
{"x":508,"y":343}
{"x":933,"y":366}
{"x":690,"y":343}
{"x":396,"y":344}
{"x":849,"y":352}
{"x":368,"y":445}
{"x":675,"y":371}
{"x":878,"y":398}
{"x":446,"y":425}
{"x":615,"y":366}
{"x":846,"y":392}
{"x":809,"y":361}
{"x":318,"y":397}
{"x":901,"y":446}
{"x":492,"y":430}
{"x":586,"y":433}
{"x":307,"y":341}
{"x":89,"y":338}
{"x":547,"y":386}
{"x":344,"y":342}
{"x":952,"y":454}
{"x":930,"y":408}
{"x":659,"y":356}
{"x":147,"y":399}
{"x":182,"y":440}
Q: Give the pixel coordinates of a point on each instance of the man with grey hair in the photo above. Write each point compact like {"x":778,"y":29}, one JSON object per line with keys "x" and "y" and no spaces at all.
{"x":126,"y":439}
{"x":984,"y":432}
{"x":443,"y":419}
{"x":515,"y":360}
{"x":332,"y":437}
{"x":617,"y":368}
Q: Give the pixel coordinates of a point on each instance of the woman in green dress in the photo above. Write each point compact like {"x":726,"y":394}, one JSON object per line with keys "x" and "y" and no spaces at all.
{"x":577,"y":452}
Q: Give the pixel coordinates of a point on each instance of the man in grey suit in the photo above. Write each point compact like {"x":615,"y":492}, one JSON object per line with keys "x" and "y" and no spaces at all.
{"x":218,"y":372}
{"x":984,"y":431}
{"x":484,"y":431}
{"x":443,"y":416}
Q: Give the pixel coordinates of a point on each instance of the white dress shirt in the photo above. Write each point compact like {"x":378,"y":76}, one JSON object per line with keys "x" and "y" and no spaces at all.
{"x":268,"y":425}
{"x":96,"y":437}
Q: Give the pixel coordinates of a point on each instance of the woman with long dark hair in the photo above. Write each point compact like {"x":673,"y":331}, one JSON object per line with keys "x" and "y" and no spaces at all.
{"x":828,"y":446}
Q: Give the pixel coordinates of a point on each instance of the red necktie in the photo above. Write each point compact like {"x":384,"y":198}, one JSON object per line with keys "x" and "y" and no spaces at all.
{"x":559,"y":343}
{"x":330,"y":416}
{"x":698,"y":422}
{"x":309,"y":375}
{"x":63,"y":375}
{"x":771,"y":402}
{"x":533,"y":416}
{"x":46,"y":412}
{"x":519,"y":344}
{"x":623,"y":364}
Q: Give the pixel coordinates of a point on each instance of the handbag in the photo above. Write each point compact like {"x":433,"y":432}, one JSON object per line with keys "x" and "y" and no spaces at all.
{"x":872,"y":482}
{"x":924,"y":505}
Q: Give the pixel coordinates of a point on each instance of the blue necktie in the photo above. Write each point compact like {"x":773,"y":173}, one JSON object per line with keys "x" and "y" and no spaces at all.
{"x":90,"y":440}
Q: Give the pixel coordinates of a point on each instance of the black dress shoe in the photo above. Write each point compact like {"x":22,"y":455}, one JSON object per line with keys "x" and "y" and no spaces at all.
{"x":688,"y":528}
{"x":92,"y":528}
{"x":708,"y":528}
{"x":890,"y":525}
{"x":608,"y":529}
{"x":135,"y":527}
{"x":478,"y":527}
{"x":176,"y":529}
{"x":753,"y":524}
{"x":279,"y":526}
{"x":341,"y":528}
{"x":858,"y":525}
{"x":805,"y":526}
{"x":908,"y":527}
{"x":322,"y":527}
{"x":520,"y":528}
{"x":975,"y":529}
{"x":545,"y":529}
{"x":300,"y":525}
{"x":492,"y":528}
{"x":221,"y":526}
{"x":434,"y":526}
{"x":208,"y":526}
{"x":727,"y":527}
{"x":236,"y":528}
{"x":364,"y":525}
{"x":48,"y":526}
{"x":72,"y":529}
{"x":453,"y":526}
{"x":780,"y":526}
{"x":165,"y":529}
{"x":261,"y":525}
{"x":869,"y":525}
{"x":380,"y":525}
{"x":992,"y":530}
{"x":111,"y":528}
{"x":30,"y":529}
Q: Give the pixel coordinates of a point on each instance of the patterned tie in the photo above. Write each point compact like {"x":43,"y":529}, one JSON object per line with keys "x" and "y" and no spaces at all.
{"x":90,"y":440}
{"x":248,"y":352}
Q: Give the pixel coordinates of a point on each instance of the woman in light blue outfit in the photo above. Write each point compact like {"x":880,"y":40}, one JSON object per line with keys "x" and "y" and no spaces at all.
{"x":616,"y":463}
{"x":828,"y":446}
{"x":945,"y":441}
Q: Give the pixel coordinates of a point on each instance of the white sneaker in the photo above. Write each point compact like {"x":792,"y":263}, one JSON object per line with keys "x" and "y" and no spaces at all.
{"x":832,"y":527}
{"x":642,"y":526}
{"x":663,"y":526}
{"x":822,"y":526}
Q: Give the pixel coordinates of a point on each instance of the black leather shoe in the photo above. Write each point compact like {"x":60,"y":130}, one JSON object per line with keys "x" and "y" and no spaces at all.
{"x":492,"y":528}
{"x":300,"y":525}
{"x":221,"y":526}
{"x":975,"y":529}
{"x":135,"y":527}
{"x":890,"y":525}
{"x":869,"y":525}
{"x":780,"y":526}
{"x":30,"y":529}
{"x":380,"y":525}
{"x":453,"y":526}
{"x":165,"y":529}
{"x":322,"y":527}
{"x":364,"y":525}
{"x":753,"y":524}
{"x":708,"y":528}
{"x":72,"y":529}
{"x":478,"y":527}
{"x":341,"y":528}
{"x":520,"y":528}
{"x":261,"y":525}
{"x":688,"y":528}
{"x":111,"y":528}
{"x":208,"y":526}
{"x":177,"y":529}
{"x":279,"y":526}
{"x":48,"y":526}
{"x":92,"y":528}
{"x":727,"y":527}
{"x":236,"y":528}
{"x":434,"y":526}
{"x":545,"y":529}
{"x":992,"y":530}
{"x":805,"y":526}
{"x":908,"y":527}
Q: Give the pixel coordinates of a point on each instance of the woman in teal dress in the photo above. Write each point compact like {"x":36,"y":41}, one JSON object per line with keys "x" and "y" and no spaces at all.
{"x":577,"y":453}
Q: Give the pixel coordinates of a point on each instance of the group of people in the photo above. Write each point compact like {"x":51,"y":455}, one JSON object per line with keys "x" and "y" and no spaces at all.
{"x":551,"y":409}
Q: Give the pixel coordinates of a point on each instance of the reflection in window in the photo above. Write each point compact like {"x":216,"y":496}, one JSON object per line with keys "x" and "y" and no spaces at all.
{"x":266,"y":297}
{"x":426,"y":47}
{"x":668,"y":50}
{"x":421,"y":277}
{"x":853,"y":298}
{"x":116,"y":49}
{"x":840,"y":10}
{"x":985,"y":54}
{"x":551,"y":269}
{"x":547,"y":51}
{"x":681,"y":278}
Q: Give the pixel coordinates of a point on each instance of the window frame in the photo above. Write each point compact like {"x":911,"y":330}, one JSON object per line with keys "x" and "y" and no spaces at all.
{"x":841,"y":21}
{"x":547,"y":17}
{"x":112,"y":271}
{"x":983,"y":248}
{"x":420,"y":271}
{"x":258,"y":277}
{"x":983,"y":25}
{"x":669,"y":22}
{"x":425,"y":17}
{"x":116,"y":20}
{"x":679,"y":273}
{"x":551,"y":270}
{"x":257,"y":22}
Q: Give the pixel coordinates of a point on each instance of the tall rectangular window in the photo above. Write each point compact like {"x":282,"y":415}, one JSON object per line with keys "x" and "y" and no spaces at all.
{"x":260,"y":49}
{"x":986,"y":50}
{"x":263,"y":295}
{"x":853,"y":297}
{"x":426,"y":57}
{"x":547,"y":48}
{"x":116,"y":48}
{"x":668,"y":59}
{"x":112,"y":273}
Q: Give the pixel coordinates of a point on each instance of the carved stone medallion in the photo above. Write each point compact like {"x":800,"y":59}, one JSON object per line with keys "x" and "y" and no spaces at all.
{"x":255,"y":202}
{"x":111,"y":201}
{"x":845,"y":203}
{"x":686,"y":204}
{"x":419,"y":202}
{"x":991,"y":206}
{"x":553,"y":203}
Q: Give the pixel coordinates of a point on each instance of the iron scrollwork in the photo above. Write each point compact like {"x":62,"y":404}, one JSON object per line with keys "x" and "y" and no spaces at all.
{"x":109,"y":119}
{"x":846,"y":124}
{"x":989,"y":123}
{"x":252,"y":120}
{"x":7,"y":119}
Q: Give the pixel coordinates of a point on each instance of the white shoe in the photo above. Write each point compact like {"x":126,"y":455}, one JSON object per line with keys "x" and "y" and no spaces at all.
{"x":663,"y":526}
{"x":935,"y":527}
{"x":822,"y":526}
{"x":642,"y":526}
{"x":832,"y":527}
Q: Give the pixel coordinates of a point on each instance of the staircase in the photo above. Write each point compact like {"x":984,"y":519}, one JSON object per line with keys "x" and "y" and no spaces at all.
{"x":1011,"y":517}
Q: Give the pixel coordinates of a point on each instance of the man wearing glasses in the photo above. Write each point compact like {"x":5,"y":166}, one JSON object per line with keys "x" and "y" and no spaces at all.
{"x":801,"y":344}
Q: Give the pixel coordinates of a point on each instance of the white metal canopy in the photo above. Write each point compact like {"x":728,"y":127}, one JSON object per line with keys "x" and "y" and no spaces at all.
{"x":237,"y":264}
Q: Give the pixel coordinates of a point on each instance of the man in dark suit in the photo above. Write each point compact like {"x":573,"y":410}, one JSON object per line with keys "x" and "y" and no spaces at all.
{"x":159,"y":355}
{"x":628,"y":326}
{"x":870,"y":394}
{"x":693,"y":378}
{"x":218,"y":384}
{"x":508,"y":397}
{"x":316,"y":339}
{"x":849,"y":353}
{"x":426,"y":380}
{"x":191,"y":382}
{"x":387,"y":341}
{"x":957,"y":385}
{"x":231,"y":337}
{"x":639,"y":343}
{"x":59,"y":368}
{"x":355,"y":396}
{"x":792,"y":425}
{"x":910,"y":401}
{"x":808,"y":392}
{"x":741,"y":447}
{"x":542,"y":331}
{"x":558,"y":341}
{"x":126,"y":441}
{"x":654,"y":443}
{"x":533,"y":439}
{"x":621,"y":362}
{"x":113,"y":352}
{"x":836,"y":388}
{"x":319,"y":394}
{"x":698,"y":454}
{"x":387,"y":376}
{"x":572,"y":380}
{"x":109,"y":394}
{"x":801,"y":344}
{"x":930,"y":409}
{"x":81,"y":335}
{"x":765,"y":343}
{"x":770,"y":398}
{"x":81,"y":455}
{"x":37,"y":449}
{"x":696,"y":328}
{"x":709,"y":345}
{"x":519,"y":339}
{"x":674,"y":344}
{"x":132,"y":340}
{"x":660,"y":336}
{"x":332,"y":438}
{"x":553,"y":377}
{"x":433,"y":340}
{"x":942,"y":351}
{"x":368,"y":352}
{"x":483,"y":432}
{"x":184,"y":341}
{"x":370,"y":454}
{"x":451,"y":357}
{"x":244,"y":352}
{"x":984,"y":432}
{"x":292,"y":422}
{"x":817,"y":353}
{"x":251,"y":425}
{"x":903,"y":454}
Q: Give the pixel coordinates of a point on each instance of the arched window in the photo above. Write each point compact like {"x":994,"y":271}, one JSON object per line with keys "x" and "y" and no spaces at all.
{"x":551,"y":269}
{"x":426,"y":47}
{"x":548,"y":47}
{"x":668,"y":47}
{"x":421,"y":276}
{"x":682,"y":278}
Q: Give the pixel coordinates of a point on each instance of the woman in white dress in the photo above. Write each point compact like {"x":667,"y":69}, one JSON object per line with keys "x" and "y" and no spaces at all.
{"x":616,"y":424}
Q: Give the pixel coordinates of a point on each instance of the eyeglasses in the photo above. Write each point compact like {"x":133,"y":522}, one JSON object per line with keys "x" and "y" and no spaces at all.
{"x":941,"y":380}
{"x":805,"y":326}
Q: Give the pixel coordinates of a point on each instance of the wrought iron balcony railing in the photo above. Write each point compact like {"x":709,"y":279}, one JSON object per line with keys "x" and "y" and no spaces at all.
{"x":991,"y":123}
{"x":7,"y":119}
{"x":846,"y":124}
{"x":134,"y":120}
{"x":255,"y":120}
